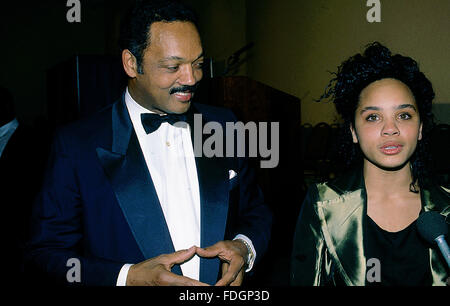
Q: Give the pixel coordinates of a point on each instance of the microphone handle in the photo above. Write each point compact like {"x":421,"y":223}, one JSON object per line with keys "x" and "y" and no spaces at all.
{"x":443,"y":246}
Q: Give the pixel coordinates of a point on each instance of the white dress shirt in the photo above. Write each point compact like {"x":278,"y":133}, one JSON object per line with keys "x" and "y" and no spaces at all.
{"x":169,"y":156}
{"x":170,"y":159}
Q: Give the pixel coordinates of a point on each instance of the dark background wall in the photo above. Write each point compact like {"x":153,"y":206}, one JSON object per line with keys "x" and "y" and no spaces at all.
{"x":35,"y":37}
{"x":296,"y":42}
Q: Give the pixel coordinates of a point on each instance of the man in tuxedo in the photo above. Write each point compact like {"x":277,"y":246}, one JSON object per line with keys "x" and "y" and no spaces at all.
{"x":124,"y":194}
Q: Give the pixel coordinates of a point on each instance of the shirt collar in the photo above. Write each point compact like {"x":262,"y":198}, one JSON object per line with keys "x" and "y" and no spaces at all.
{"x":133,"y":106}
{"x":135,"y":110}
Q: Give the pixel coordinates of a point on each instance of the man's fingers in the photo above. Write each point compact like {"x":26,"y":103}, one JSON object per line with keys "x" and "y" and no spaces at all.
{"x":177,"y":280}
{"x":231,"y":274}
{"x":225,"y":266}
{"x":239,"y":279}
{"x":208,"y":252}
{"x":180,"y":257}
{"x":173,"y":279}
{"x":226,"y":279}
{"x":233,"y":262}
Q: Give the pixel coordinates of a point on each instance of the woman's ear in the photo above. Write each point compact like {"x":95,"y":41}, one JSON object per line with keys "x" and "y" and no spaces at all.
{"x":354,"y":136}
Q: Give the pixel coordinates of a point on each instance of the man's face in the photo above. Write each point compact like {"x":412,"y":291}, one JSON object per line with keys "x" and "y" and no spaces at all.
{"x":172,"y":65}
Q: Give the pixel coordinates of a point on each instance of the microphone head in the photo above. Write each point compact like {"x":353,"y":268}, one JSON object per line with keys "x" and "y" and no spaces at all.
{"x":431,"y":225}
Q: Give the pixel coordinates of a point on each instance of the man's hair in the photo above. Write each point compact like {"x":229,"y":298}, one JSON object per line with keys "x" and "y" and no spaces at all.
{"x":135,"y":26}
{"x":360,"y":70}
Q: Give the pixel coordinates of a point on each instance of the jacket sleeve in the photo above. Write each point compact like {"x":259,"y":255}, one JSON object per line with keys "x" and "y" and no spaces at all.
{"x":56,"y":243}
{"x":309,"y":259}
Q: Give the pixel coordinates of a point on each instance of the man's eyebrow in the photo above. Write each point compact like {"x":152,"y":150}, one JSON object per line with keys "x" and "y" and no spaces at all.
{"x":177,"y":58}
{"x":171,"y":58}
{"x":200,"y":56}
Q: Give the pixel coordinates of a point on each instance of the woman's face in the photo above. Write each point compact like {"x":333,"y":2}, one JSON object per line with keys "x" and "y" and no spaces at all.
{"x":387,"y":123}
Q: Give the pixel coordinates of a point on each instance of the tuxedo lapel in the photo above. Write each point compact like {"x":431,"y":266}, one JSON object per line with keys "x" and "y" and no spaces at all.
{"x":128,"y":174}
{"x":212,"y":176}
{"x":130,"y":179}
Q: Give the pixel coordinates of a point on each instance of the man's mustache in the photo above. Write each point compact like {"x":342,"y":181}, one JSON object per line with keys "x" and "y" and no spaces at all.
{"x":184,"y":88}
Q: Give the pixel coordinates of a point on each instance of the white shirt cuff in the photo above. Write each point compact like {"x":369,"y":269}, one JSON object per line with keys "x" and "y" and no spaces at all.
{"x":249,"y":242}
{"x":122,"y":278}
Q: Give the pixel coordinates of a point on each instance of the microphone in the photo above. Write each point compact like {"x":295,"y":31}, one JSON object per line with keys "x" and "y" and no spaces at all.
{"x":433,"y":228}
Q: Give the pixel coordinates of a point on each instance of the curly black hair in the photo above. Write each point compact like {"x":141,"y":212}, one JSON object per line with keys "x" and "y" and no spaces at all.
{"x":135,"y":25}
{"x":355,"y":74}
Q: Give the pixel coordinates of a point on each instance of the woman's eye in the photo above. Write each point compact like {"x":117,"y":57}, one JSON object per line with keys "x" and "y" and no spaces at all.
{"x":372,"y":117}
{"x":405,"y":116}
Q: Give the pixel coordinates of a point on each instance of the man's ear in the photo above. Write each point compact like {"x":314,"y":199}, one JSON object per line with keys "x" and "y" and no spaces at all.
{"x":354,"y":136}
{"x":420,"y":131}
{"x":129,"y":63}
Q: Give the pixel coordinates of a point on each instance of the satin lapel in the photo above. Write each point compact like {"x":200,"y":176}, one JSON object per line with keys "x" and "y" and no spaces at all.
{"x":438,"y":269}
{"x":130,"y":179}
{"x":342,"y":227}
{"x":213,"y":178}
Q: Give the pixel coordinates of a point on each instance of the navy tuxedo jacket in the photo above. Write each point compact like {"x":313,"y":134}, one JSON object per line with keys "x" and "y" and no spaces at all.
{"x":98,"y":202}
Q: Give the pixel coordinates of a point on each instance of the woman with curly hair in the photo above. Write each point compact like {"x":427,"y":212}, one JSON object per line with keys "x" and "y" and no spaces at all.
{"x":360,"y":229}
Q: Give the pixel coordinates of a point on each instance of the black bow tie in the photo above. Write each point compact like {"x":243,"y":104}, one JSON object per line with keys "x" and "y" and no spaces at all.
{"x":151,"y":122}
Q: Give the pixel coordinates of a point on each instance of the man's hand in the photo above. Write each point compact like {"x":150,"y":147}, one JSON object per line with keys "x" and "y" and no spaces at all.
{"x":157,"y":271}
{"x":233,"y":254}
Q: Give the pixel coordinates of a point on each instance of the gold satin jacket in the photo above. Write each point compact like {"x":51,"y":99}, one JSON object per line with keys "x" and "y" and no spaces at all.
{"x":328,"y":240}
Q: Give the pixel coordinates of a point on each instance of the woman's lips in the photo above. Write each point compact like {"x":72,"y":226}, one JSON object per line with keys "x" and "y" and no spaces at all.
{"x":391,"y":148}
